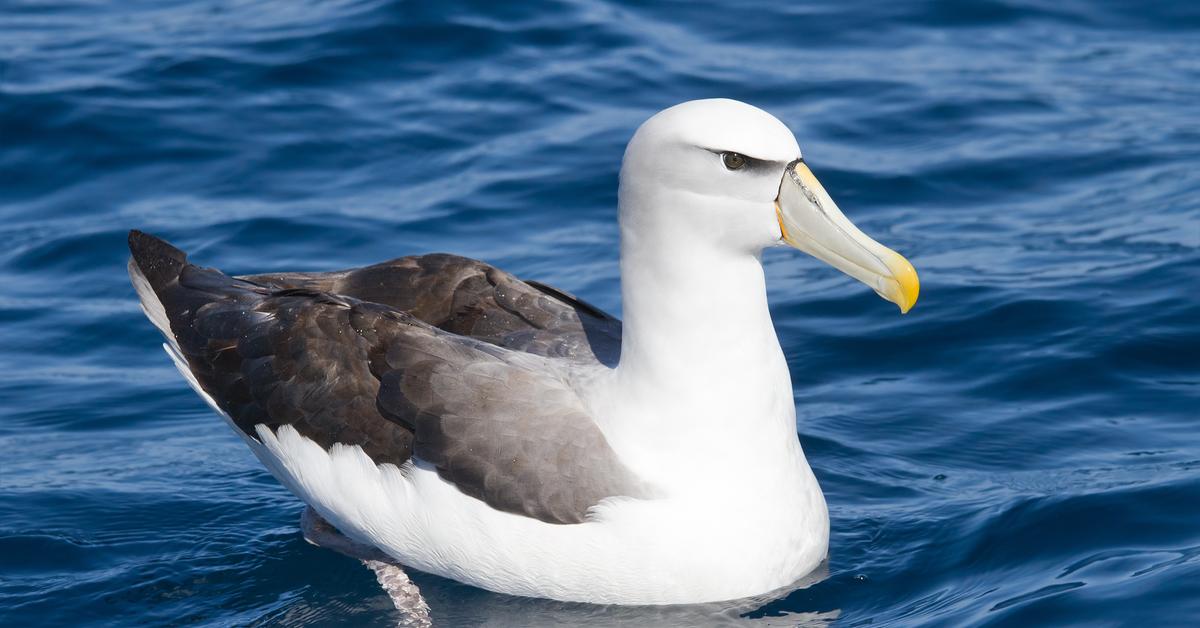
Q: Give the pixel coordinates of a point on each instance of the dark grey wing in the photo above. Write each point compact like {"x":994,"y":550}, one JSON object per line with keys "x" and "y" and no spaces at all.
{"x":500,"y":425}
{"x":470,"y":298}
{"x":268,"y":357}
{"x":497,"y":424}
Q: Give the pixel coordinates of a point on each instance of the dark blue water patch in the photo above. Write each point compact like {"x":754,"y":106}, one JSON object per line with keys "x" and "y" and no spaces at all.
{"x":1018,"y":450}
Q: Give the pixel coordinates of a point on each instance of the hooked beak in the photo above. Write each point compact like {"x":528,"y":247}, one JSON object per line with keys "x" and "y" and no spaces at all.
{"x":810,"y":221}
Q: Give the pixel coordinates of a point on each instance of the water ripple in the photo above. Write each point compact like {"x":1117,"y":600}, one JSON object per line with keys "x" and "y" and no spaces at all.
{"x":1020,"y":449}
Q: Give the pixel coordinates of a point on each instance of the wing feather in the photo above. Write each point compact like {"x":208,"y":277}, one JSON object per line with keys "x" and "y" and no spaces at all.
{"x":501,"y":424}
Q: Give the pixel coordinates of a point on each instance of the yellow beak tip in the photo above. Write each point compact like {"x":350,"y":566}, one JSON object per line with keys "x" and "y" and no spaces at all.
{"x":906,"y":279}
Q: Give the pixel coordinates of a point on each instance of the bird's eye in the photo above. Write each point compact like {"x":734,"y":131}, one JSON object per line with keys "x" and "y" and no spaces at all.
{"x":733,"y":161}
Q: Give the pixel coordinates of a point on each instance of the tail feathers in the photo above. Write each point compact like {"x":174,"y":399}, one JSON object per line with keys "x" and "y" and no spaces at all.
{"x":157,"y":261}
{"x":173,"y":291}
{"x":153,"y":265}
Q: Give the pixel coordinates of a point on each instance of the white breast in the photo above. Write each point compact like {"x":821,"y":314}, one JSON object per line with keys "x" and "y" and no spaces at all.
{"x":671,"y":550}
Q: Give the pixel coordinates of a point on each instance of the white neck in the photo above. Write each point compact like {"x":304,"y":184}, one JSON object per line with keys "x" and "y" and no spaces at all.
{"x":691,"y":316}
{"x":701,"y":370}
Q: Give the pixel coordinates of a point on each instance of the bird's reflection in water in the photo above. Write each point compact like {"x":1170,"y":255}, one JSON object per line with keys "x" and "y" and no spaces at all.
{"x":454,"y":604}
{"x":447,"y":603}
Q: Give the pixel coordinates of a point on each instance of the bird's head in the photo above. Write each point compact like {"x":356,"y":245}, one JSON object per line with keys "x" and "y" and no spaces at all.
{"x":731,"y":176}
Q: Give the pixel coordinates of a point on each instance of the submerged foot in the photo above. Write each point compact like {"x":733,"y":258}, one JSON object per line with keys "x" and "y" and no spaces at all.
{"x":405,"y":595}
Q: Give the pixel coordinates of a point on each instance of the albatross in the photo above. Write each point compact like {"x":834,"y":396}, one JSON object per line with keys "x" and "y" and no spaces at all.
{"x":505,"y":433}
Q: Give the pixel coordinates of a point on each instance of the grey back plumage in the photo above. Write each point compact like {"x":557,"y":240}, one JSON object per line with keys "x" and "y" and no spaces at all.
{"x":436,"y":357}
{"x":470,"y":298}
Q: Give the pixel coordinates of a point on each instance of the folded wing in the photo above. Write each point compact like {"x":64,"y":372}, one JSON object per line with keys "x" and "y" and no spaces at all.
{"x":467,"y":297}
{"x":501,"y":424}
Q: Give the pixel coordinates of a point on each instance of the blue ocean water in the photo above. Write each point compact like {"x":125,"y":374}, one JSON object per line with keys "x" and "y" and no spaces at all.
{"x":1023,"y":448}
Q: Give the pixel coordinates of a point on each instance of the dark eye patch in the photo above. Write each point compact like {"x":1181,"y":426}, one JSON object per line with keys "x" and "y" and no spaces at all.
{"x":745,"y":163}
